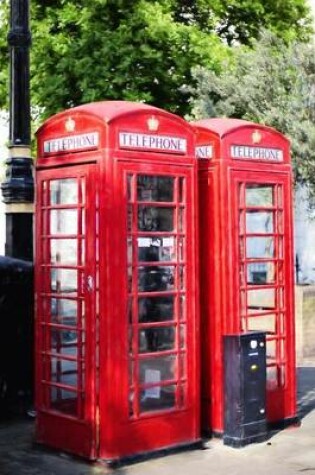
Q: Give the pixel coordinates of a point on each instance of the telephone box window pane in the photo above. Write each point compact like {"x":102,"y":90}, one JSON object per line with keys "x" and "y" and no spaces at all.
{"x":182,"y":365}
{"x":266,"y":323}
{"x":64,"y":342}
{"x":156,"y":249}
{"x":64,"y":221}
{"x":182,"y":307}
{"x":261,"y":299}
{"x":260,"y":273}
{"x":272,"y":377}
{"x":259,"y":195}
{"x":160,"y":368}
{"x":64,"y":311}
{"x":181,"y":218}
{"x":260,"y":247}
{"x":64,"y":280}
{"x":155,"y":188}
{"x":156,"y":309}
{"x":64,"y":191}
{"x":64,"y":372}
{"x":259,"y":222}
{"x":63,"y":251}
{"x":271,"y":348}
{"x":181,"y":184}
{"x":181,"y":249}
{"x":157,"y":398}
{"x":181,"y":270}
{"x":64,"y":401}
{"x":129,"y":254}
{"x":157,"y":339}
{"x":182,"y":336}
{"x":129,"y":217}
{"x":156,"y":279}
{"x":152,"y":218}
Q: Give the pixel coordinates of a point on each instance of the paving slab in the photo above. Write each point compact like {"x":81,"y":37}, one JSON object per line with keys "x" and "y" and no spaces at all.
{"x":286,"y":452}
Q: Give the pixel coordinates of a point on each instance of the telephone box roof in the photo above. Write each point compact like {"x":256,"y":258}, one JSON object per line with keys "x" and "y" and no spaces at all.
{"x":111,"y":110}
{"x":224,"y":126}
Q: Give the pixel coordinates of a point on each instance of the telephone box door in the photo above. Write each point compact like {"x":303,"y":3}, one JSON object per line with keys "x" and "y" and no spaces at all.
{"x":65,"y":287}
{"x":262,"y":222}
{"x":156,"y":354}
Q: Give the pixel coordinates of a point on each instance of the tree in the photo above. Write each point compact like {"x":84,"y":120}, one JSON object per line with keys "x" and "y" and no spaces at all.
{"x":273,"y":84}
{"x":87,"y":50}
{"x":242,"y":21}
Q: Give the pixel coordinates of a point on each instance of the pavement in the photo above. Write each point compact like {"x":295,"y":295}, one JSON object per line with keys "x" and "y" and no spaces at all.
{"x":286,"y":452}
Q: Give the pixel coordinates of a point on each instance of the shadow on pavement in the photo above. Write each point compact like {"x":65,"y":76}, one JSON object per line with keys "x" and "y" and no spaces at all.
{"x":19,"y":456}
{"x":306,"y":390}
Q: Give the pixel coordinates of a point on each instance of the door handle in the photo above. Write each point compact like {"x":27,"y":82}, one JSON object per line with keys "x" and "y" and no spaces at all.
{"x":89,"y":283}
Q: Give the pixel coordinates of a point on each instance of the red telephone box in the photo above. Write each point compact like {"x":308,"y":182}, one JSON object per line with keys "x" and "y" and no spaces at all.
{"x":117,"y":320}
{"x":246,"y":244}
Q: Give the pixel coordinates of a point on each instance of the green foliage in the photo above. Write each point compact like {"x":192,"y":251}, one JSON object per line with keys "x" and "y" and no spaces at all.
{"x":242,"y":20}
{"x":273,"y":84}
{"x":95,"y":50}
{"x":143,"y":50}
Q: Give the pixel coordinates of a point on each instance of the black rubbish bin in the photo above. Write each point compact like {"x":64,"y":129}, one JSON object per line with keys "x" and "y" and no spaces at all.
{"x":16,"y":335}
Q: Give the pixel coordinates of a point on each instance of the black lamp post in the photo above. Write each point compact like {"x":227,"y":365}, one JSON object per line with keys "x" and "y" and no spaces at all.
{"x":18,"y":187}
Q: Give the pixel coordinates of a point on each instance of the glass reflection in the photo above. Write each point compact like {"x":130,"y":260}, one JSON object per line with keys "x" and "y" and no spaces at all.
{"x":261,"y":299}
{"x":266,"y":323}
{"x":64,"y":311}
{"x":152,"y":218}
{"x":63,"y":221}
{"x":156,"y":278}
{"x":156,"y":309}
{"x":181,"y":218}
{"x":63,"y":250}
{"x":64,"y":401}
{"x":259,"y":222}
{"x":64,"y":280}
{"x":259,"y":195}
{"x":64,"y":342}
{"x":156,"y":249}
{"x":155,"y":188}
{"x":64,"y":191}
{"x":159,"y":368}
{"x":156,"y":339}
{"x":157,"y":398}
{"x":181,"y":183}
{"x":260,"y":247}
{"x":64,"y":371}
{"x":261,"y":273}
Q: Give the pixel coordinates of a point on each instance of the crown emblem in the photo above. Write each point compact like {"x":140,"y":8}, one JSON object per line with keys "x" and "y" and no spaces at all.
{"x":153,"y":123}
{"x":256,"y":136}
{"x":70,"y":125}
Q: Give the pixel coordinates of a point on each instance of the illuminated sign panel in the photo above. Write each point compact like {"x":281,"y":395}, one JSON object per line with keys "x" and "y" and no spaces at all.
{"x":163,"y":143}
{"x":72,"y":143}
{"x":256,"y":153}
{"x":204,"y":151}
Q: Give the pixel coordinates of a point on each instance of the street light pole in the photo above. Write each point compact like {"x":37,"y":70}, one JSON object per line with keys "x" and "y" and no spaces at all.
{"x":18,"y":187}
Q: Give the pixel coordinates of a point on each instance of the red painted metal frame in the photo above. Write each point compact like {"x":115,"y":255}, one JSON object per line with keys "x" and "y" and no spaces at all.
{"x":77,"y":351}
{"x":113,"y":432}
{"x":219,"y":179}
